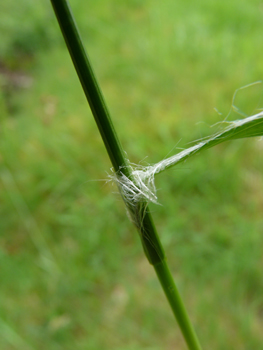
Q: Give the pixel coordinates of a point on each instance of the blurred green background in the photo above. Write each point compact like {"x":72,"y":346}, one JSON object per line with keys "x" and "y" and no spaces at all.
{"x":72,"y":271}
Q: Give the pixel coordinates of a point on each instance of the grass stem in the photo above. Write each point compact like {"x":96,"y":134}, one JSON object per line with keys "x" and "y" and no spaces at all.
{"x":177,"y":305}
{"x":149,"y":237}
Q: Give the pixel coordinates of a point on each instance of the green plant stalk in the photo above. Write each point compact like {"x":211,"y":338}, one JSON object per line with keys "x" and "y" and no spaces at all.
{"x":149,"y":237}
{"x":177,"y":305}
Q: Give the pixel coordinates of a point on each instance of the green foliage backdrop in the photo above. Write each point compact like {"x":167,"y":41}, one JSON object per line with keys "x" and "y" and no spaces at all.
{"x":73,"y":274}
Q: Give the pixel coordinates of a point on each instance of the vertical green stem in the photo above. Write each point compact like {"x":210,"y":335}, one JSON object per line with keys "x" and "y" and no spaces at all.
{"x":149,"y":237}
{"x":89,"y":84}
{"x":177,"y":305}
{"x":148,"y":234}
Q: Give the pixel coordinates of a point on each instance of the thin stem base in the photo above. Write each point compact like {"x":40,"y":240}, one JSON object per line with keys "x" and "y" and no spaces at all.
{"x":176,"y":303}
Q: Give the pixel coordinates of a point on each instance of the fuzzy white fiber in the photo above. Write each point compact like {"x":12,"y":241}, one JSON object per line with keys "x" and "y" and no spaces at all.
{"x":140,"y":188}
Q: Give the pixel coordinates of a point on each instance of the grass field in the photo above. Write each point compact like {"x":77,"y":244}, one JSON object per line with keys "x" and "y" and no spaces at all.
{"x":73,"y":274}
